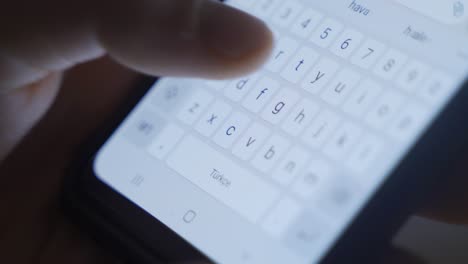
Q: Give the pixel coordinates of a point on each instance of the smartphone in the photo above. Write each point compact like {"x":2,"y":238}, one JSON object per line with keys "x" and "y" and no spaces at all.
{"x":319,"y":156}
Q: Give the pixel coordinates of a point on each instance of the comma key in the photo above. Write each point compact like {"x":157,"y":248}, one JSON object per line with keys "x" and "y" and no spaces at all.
{"x":165,"y":141}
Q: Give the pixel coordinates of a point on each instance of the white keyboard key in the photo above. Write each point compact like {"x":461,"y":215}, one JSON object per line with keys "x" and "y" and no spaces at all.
{"x":165,"y":141}
{"x":342,"y":141}
{"x":321,"y":128}
{"x":409,"y":122}
{"x":308,"y":233}
{"x":324,"y":35}
{"x":364,"y":154}
{"x":306,"y":23}
{"x":194,"y":106}
{"x":300,"y":64}
{"x":347,"y":43}
{"x":231,"y":129}
{"x":216,"y":84}
{"x":390,"y":64}
{"x":252,"y":140}
{"x":340,"y":87}
{"x":237,"y":89}
{"x":222,"y":178}
{"x":386,"y":108}
{"x":261,"y":94}
{"x":280,"y":106}
{"x":171,"y":93}
{"x":281,"y":217}
{"x":361,"y":98}
{"x":368,"y":54}
{"x":300,"y":117}
{"x":270,"y":153}
{"x":286,"y":13}
{"x":412,"y":75}
{"x":311,"y":182}
{"x":337,"y":197}
{"x":283,"y":51}
{"x":320,"y":75}
{"x":436,"y":87}
{"x":213,"y":118}
{"x":264,"y":8}
{"x":288,"y":168}
{"x":142,"y":127}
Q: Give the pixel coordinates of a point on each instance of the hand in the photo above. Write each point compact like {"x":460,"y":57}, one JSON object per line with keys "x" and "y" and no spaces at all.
{"x":41,"y":41}
{"x":138,"y":36}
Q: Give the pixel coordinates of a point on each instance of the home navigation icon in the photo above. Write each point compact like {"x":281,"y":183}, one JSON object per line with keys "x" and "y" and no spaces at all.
{"x":189,"y":216}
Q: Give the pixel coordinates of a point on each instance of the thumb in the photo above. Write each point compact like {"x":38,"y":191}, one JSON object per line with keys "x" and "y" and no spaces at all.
{"x":159,"y":37}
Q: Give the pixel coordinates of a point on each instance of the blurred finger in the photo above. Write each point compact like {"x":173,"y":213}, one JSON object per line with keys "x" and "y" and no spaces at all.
{"x":178,"y":37}
{"x":21,"y":108}
{"x":32,"y":174}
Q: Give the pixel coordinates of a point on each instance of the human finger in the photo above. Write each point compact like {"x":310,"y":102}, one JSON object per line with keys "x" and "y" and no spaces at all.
{"x":159,"y":37}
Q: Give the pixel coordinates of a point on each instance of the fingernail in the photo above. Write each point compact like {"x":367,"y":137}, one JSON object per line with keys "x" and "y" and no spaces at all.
{"x":231,"y":33}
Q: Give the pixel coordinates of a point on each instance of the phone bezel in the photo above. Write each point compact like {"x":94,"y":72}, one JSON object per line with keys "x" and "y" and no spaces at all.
{"x":112,"y":216}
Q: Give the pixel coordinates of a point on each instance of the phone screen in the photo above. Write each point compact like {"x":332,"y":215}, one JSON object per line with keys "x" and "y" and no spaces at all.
{"x":272,"y":167}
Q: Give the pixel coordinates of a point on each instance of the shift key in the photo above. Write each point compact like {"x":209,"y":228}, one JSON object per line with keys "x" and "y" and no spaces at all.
{"x":237,"y":188}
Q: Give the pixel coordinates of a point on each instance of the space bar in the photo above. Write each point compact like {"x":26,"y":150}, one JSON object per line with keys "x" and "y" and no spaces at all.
{"x":220,"y":177}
